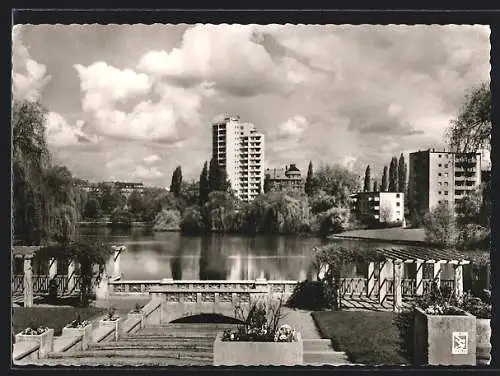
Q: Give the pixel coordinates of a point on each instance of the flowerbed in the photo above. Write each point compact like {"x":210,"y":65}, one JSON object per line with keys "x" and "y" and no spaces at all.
{"x":79,"y":328}
{"x":41,"y":335}
{"x":259,"y":340}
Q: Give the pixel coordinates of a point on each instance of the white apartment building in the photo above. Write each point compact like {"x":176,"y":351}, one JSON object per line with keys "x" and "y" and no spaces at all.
{"x":239,"y":148}
{"x":379,"y":207}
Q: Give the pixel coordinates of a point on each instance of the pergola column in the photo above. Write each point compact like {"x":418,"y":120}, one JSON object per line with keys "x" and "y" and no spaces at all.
{"x":383,"y":280}
{"x":371,"y":278}
{"x":116,"y":261}
{"x":52,"y":268}
{"x":398,"y":288}
{"x":436,"y":277}
{"x":28,"y":283}
{"x":71,"y":275}
{"x":459,"y":280}
{"x":419,"y":279}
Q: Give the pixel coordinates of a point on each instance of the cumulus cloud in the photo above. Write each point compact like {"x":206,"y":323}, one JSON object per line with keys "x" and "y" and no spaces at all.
{"x":103,"y":85}
{"x":349,"y":161}
{"x":28,"y":76}
{"x":152,"y":159}
{"x":61,"y":134}
{"x":147,"y":173}
{"x":294,"y":126}
{"x":226,"y":55}
{"x":165,"y":120}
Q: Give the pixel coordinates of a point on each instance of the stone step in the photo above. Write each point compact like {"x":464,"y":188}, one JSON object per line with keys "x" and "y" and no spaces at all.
{"x":155,"y":345}
{"x":117,"y":362}
{"x":317,"y":345}
{"x":196,"y":326}
{"x":325,"y":358}
{"x":166,"y":339}
{"x":136,"y":353}
{"x":179,"y":333}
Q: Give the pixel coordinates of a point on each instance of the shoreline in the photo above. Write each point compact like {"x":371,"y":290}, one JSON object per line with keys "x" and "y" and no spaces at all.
{"x":381,"y":240}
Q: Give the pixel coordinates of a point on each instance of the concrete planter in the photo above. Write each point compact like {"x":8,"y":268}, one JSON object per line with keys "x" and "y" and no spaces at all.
{"x":85,"y":333}
{"x":483,"y":343}
{"x":444,"y":339}
{"x":116,"y":324}
{"x":137,"y":315}
{"x":230,"y":353}
{"x":45,"y":340}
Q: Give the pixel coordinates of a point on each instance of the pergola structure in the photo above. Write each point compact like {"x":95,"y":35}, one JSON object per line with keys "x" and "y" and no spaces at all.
{"x":30,"y":284}
{"x":386,"y":279}
{"x":395,"y":258}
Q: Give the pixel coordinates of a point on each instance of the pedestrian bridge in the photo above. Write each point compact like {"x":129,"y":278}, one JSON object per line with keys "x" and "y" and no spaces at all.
{"x":183,"y":298}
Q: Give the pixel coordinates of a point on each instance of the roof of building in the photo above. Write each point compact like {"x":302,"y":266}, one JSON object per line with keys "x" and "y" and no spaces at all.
{"x":281,"y":174}
{"x":421,"y":254}
{"x":21,"y":250}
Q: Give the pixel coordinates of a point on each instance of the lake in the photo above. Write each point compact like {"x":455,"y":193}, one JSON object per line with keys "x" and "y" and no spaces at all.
{"x":156,"y":255}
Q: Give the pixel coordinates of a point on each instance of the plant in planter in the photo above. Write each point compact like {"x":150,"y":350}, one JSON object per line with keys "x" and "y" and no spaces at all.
{"x":111,"y":315}
{"x":40,"y":334}
{"x":137,"y":308}
{"x":137,"y":313}
{"x":259,"y":340}
{"x":444,"y":333}
{"x":78,"y":323}
{"x":79,"y":327}
{"x":111,"y":319}
{"x":482,"y":311}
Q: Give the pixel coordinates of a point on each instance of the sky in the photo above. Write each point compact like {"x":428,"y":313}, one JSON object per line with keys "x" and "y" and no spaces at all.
{"x":132,"y":102}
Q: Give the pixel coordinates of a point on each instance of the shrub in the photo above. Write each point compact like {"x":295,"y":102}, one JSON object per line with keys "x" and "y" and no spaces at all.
{"x":121,"y":218}
{"x":192,"y":221}
{"x":167,"y":220}
{"x":311,"y":295}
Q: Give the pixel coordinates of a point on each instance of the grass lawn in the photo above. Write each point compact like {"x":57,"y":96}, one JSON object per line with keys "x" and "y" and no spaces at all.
{"x":366,"y":337}
{"x":52,"y":317}
{"x":394,"y":234}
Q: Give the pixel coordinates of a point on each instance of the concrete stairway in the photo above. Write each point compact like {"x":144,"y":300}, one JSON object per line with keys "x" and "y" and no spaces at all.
{"x":163,"y":345}
{"x":319,"y":352}
{"x":174,"y":345}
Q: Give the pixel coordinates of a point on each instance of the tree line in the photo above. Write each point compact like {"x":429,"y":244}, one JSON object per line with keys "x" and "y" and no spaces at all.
{"x":393,"y":179}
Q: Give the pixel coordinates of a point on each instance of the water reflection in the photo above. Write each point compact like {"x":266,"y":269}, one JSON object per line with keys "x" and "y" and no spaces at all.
{"x":152,"y":255}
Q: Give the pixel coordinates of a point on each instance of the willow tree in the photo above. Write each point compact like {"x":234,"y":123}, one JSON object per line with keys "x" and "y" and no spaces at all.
{"x":61,"y":200}
{"x":471,"y":130}
{"x":30,"y":158}
{"x":330,"y":262}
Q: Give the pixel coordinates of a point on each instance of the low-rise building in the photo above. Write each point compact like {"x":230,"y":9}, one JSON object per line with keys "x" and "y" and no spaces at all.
{"x":285,"y":179}
{"x":378,"y":207}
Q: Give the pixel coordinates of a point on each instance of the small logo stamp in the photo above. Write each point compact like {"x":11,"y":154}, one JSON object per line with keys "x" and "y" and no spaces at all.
{"x":460,"y":343}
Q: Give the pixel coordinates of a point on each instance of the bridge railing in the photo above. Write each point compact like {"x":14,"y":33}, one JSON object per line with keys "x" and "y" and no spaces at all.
{"x":201,"y":291}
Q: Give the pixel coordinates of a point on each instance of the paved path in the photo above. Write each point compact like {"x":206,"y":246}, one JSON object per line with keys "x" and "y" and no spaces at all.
{"x":302,"y":321}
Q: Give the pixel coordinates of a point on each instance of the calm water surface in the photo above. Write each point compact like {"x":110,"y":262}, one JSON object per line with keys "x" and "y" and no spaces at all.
{"x":155,"y":255}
